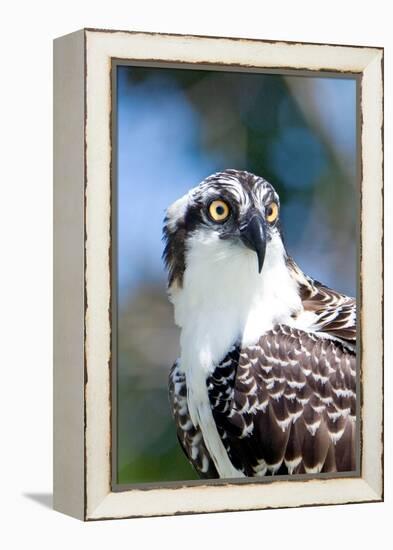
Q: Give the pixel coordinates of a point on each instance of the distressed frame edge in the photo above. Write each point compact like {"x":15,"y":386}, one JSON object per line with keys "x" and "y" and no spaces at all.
{"x":376,"y":490}
{"x":372,"y":267}
{"x":69,"y":277}
{"x":104,"y":510}
{"x":233,"y":38}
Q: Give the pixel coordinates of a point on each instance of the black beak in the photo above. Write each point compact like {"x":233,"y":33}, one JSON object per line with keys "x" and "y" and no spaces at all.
{"x":253,"y":236}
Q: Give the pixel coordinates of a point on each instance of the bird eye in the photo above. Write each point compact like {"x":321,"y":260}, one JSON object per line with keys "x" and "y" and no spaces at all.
{"x":219,"y":211}
{"x":271,"y":212}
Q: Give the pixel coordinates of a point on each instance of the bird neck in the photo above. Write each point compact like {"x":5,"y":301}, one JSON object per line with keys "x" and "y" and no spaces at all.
{"x":225,"y":301}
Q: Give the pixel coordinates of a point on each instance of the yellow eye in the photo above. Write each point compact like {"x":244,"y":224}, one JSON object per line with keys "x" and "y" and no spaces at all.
{"x":219,"y":211}
{"x":272,"y":212}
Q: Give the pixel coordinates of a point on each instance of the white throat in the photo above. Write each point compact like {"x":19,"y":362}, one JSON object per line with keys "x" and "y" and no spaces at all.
{"x":223,"y":301}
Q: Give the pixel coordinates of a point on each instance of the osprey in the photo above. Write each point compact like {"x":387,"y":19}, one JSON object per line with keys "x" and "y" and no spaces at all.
{"x":266,"y":379}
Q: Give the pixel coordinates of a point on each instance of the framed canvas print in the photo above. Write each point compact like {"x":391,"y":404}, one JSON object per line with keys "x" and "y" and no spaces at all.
{"x":218,"y":274}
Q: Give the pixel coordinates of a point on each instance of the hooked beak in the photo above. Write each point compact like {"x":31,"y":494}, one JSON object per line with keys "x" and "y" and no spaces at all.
{"x":253,"y":236}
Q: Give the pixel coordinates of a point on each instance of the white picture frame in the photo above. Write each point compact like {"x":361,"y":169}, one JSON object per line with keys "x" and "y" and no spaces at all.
{"x":82,"y":257}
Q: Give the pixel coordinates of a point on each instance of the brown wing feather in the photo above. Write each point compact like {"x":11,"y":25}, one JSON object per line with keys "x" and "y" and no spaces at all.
{"x":286,"y":405}
{"x":290,"y":407}
{"x":335,"y":312}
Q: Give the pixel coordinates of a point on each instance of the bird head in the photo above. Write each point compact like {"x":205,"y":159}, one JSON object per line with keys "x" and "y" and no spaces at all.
{"x":232,"y":209}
